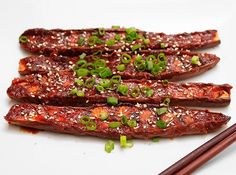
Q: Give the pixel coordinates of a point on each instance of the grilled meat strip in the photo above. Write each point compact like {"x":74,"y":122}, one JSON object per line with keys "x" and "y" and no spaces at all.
{"x":139,"y":121}
{"x":178,"y":64}
{"x":63,"y":88}
{"x":74,"y":42}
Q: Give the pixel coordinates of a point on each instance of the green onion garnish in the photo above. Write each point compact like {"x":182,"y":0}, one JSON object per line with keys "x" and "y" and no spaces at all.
{"x":155,"y":139}
{"x":100,"y":88}
{"x":160,"y":111}
{"x":105,"y":72}
{"x":110,"y":42}
{"x":135,"y":92}
{"x":81,"y":63}
{"x":117,"y":37}
{"x":120,"y":67}
{"x":148,"y":91}
{"x":91,"y":126}
{"x":89,"y":83}
{"x":195,"y":60}
{"x":136,"y":47}
{"x":126,"y":58}
{"x":114,"y":124}
{"x":82,"y":56}
{"x":97,"y":53}
{"x":105,"y":83}
{"x":99,"y":63}
{"x":80,"y":94}
{"x":81,"y":41}
{"x":139,"y":64}
{"x":131,"y":35}
{"x":161,"y":124}
{"x":115,"y":27}
{"x":94,"y":40}
{"x":103,"y":115}
{"x":166,"y":101}
{"x":116,"y":79}
{"x":109,"y":146}
{"x":123,"y":141}
{"x":165,"y":82}
{"x":124,"y":120}
{"x":161,"y":57}
{"x":101,"y":31}
{"x":123,"y":89}
{"x":132,"y":123}
{"x":79,"y":82}
{"x":149,"y":64}
{"x":112,"y":100}
{"x":156,"y":69}
{"x":163,"y":45}
{"x":23,"y":39}
{"x":82,"y":72}
{"x":146,"y":41}
{"x":74,"y":91}
{"x":85,"y":120}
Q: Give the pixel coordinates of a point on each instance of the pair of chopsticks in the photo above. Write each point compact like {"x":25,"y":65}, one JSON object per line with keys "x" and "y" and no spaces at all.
{"x":202,"y":154}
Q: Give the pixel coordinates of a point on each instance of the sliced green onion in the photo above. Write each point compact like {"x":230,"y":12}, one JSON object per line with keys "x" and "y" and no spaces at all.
{"x":82,"y":72}
{"x":123,"y":141}
{"x":161,"y":124}
{"x":82,"y":56}
{"x":81,"y":63}
{"x":151,"y":57}
{"x":149,"y":64}
{"x":91,"y":126}
{"x":124,"y":120}
{"x":90,"y":66}
{"x":195,"y":60}
{"x":131,"y":35}
{"x":166,"y":101}
{"x":109,"y":146}
{"x":93,"y":72}
{"x":148,"y":91}
{"x":126,"y":58}
{"x":161,"y":57}
{"x":123,"y":89}
{"x":100,"y":88}
{"x":136,"y":47}
{"x":105,"y":83}
{"x":89,"y":83}
{"x":112,"y":100}
{"x":79,"y":82}
{"x":101,"y":31}
{"x":110,"y":42}
{"x":105,"y":72}
{"x":103,"y":115}
{"x":85,"y":120}
{"x":94,"y":40}
{"x":116,"y":79}
{"x":115,"y":27}
{"x":165,"y":82}
{"x":97,"y":53}
{"x":99,"y":63}
{"x":74,"y":91}
{"x":81,"y":41}
{"x":146,"y":41}
{"x":114,"y":124}
{"x":80,"y":94}
{"x":132,"y":123}
{"x":156,"y":69}
{"x":163,"y":45}
{"x":135,"y":92}
{"x":120,"y":67}
{"x":139,"y":64}
{"x":160,"y":111}
{"x":117,"y":37}
{"x":155,"y":139}
{"x":23,"y":39}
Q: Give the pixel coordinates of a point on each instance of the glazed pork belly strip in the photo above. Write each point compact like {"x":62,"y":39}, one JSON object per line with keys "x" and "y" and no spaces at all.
{"x":134,"y":121}
{"x":64,"y":88}
{"x":179,"y":64}
{"x":74,"y":42}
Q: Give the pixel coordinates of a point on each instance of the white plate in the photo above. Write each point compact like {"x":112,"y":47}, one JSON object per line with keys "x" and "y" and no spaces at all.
{"x":51,"y":153}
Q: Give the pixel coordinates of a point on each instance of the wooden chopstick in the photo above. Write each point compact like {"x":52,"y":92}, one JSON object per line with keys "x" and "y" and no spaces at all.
{"x":208,"y":155}
{"x":188,"y":159}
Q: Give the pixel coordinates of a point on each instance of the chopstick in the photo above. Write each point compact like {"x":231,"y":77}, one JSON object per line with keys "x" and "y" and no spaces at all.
{"x":203,"y":153}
